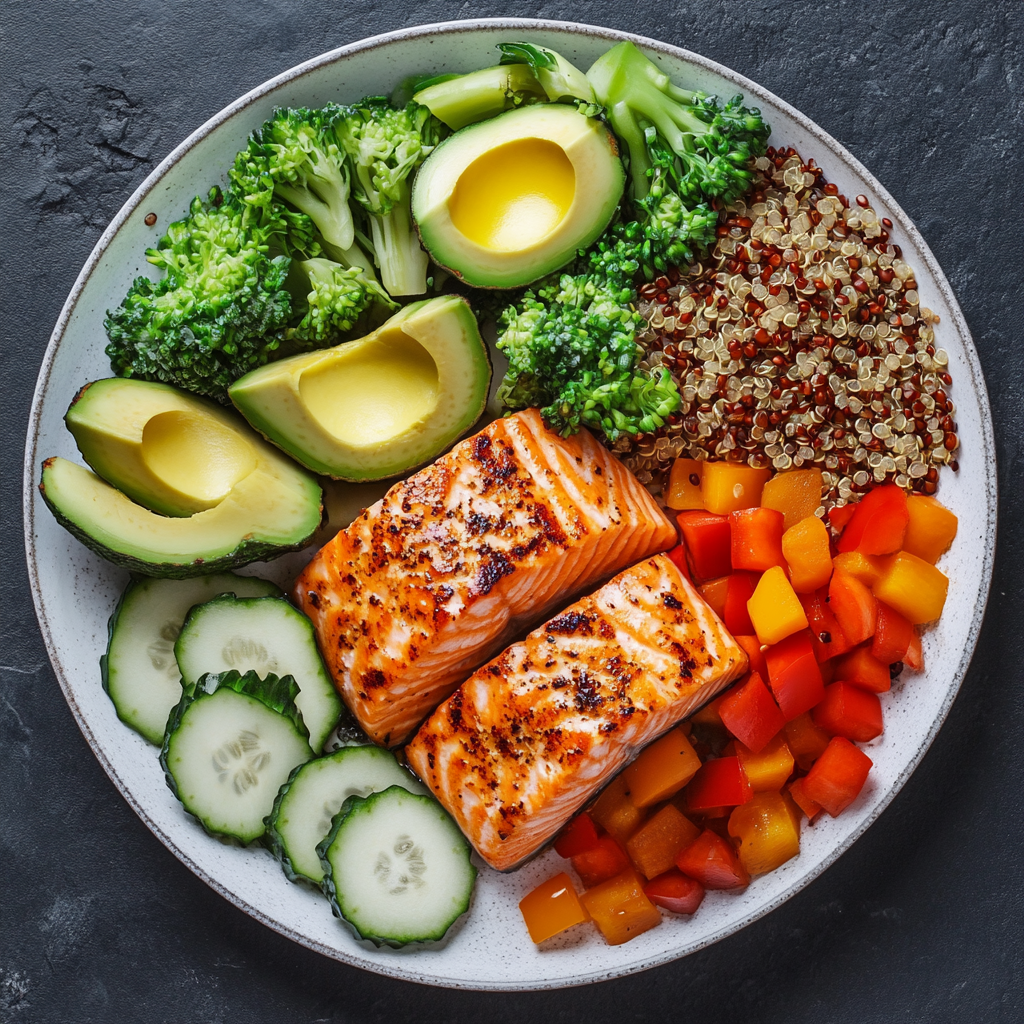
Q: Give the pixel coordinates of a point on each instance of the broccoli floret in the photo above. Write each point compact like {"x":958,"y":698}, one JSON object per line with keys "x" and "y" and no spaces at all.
{"x":572,"y":349}
{"x":713,"y":145}
{"x":331,"y":300}
{"x":220,"y":308}
{"x":384,"y":145}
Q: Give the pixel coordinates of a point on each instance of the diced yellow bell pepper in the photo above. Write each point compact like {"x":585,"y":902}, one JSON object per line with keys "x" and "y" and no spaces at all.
{"x":767,"y":830}
{"x":770,"y":767}
{"x":731,"y":486}
{"x":654,"y":848}
{"x":805,"y":547}
{"x":775,"y":610}
{"x":551,"y":908}
{"x":662,"y":769}
{"x":796,"y":494}
{"x":931,"y":529}
{"x":615,"y":812}
{"x":914,"y":587}
{"x":868,"y":569}
{"x":715,"y":592}
{"x":684,"y":485}
{"x":620,"y":908}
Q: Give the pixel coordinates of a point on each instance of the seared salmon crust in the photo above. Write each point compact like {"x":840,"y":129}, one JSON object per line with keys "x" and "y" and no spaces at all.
{"x":453,"y":563}
{"x":528,"y":739}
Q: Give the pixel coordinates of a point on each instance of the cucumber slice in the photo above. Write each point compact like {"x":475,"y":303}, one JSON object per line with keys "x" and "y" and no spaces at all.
{"x":314,"y":793}
{"x":139,"y":672}
{"x":230,"y":745}
{"x":261,"y":635}
{"x":396,"y":868}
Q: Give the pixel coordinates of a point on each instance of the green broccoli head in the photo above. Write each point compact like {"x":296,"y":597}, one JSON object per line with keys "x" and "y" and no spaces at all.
{"x":218,"y":311}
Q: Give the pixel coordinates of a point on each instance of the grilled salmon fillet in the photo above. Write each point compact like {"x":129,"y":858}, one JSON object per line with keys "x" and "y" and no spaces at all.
{"x":529,"y":738}
{"x":452,"y":563}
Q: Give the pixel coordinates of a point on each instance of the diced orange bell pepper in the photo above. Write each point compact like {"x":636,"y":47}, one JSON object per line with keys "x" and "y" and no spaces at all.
{"x":802,"y":800}
{"x":878,"y":523}
{"x":837,"y":777}
{"x":654,"y":847}
{"x":676,"y":892}
{"x":914,"y":587}
{"x":840,"y":515}
{"x":796,"y":494}
{"x":806,"y":740}
{"x":854,"y":607}
{"x":662,"y":769}
{"x":708,"y":543}
{"x":847,"y":710}
{"x":931,"y":529}
{"x":893,"y":635}
{"x":767,"y":831}
{"x":770,"y":767}
{"x":620,"y":909}
{"x":805,"y":546}
{"x":713,"y":862}
{"x":615,"y":812}
{"x":684,"y":480}
{"x":827,"y":636}
{"x":740,"y":590}
{"x":756,"y":539}
{"x":914,"y":658}
{"x":604,"y":861}
{"x":719,"y":783}
{"x":755,"y":655}
{"x":775,"y":610}
{"x":578,"y":836}
{"x":730,"y":486}
{"x":551,"y":908}
{"x":750,"y":713}
{"x":794,"y":675}
{"x":866,"y":568}
{"x":716,"y":593}
{"x":708,"y":715}
{"x":863,"y":669}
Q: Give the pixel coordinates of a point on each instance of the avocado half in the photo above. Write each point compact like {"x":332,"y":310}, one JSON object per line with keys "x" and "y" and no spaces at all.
{"x":378,"y":406}
{"x":506,"y":201}
{"x":182,"y":487}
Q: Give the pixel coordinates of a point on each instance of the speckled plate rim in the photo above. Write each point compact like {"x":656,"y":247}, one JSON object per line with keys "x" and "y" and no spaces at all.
{"x":390,"y":967}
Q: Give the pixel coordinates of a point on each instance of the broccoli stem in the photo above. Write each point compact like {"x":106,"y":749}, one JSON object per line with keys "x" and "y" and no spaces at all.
{"x":481,"y":94}
{"x":403,"y":263}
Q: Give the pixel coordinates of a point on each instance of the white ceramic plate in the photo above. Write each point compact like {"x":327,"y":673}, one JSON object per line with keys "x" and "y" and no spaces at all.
{"x":75,"y":591}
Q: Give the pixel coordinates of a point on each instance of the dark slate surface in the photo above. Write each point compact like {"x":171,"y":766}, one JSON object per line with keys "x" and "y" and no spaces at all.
{"x":920,"y":921}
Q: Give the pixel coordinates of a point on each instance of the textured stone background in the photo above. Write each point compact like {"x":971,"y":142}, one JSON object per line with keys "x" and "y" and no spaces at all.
{"x":920,"y":921}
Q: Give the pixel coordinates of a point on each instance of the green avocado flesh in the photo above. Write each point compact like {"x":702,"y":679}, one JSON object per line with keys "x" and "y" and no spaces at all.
{"x":173,"y":451}
{"x":506,"y":201}
{"x":378,"y":406}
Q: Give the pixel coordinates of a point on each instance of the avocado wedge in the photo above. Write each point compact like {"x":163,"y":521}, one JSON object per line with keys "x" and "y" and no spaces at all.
{"x":229,"y":498}
{"x":378,"y":406}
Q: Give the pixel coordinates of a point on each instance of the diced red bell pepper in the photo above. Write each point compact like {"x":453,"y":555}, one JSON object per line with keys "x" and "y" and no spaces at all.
{"x":806,"y":740}
{"x":676,"y":892}
{"x":879,"y":522}
{"x":837,"y":777}
{"x":719,"y":783}
{"x":677,"y":556}
{"x":854,"y":607}
{"x":603,"y":861}
{"x":827,"y":636}
{"x":847,"y":710}
{"x":840,"y":515}
{"x":757,"y":539}
{"x":577,"y":837}
{"x":739,"y":590}
{"x":750,"y":714}
{"x":914,"y":658}
{"x":893,"y":635}
{"x":708,"y":543}
{"x":713,"y":862}
{"x":755,"y":655}
{"x":793,"y":674}
{"x":863,"y":669}
{"x":803,"y":801}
